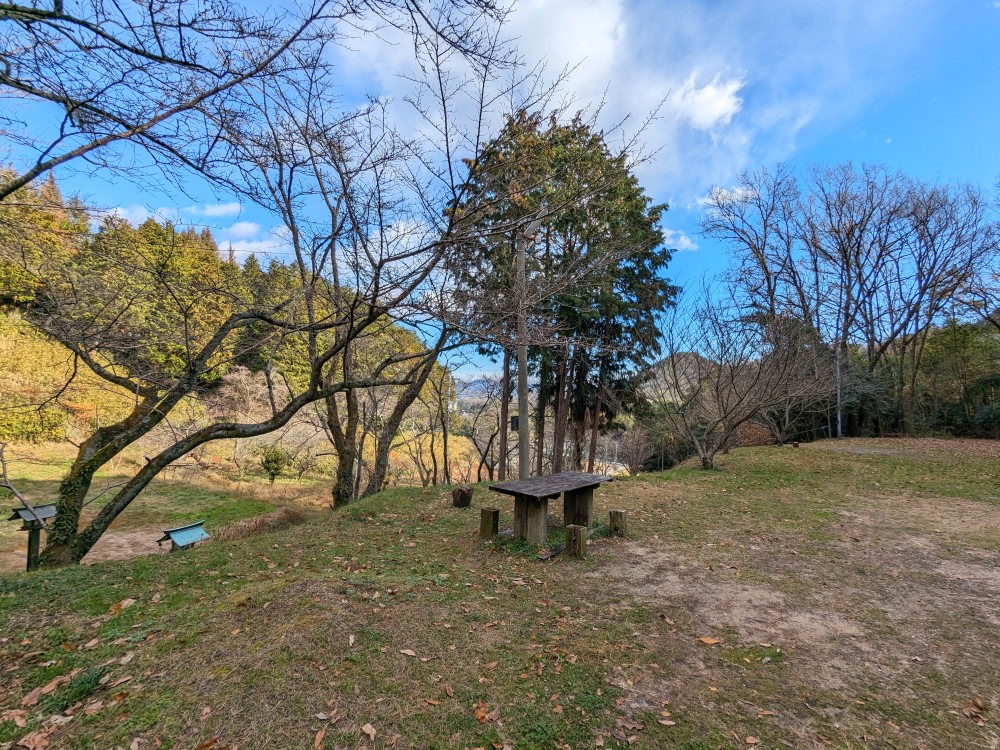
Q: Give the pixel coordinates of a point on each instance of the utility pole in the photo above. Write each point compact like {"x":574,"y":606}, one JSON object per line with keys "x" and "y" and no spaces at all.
{"x":523,"y":436}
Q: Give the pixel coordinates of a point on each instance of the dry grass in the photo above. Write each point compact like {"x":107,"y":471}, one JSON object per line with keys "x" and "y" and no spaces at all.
{"x":279,"y":519}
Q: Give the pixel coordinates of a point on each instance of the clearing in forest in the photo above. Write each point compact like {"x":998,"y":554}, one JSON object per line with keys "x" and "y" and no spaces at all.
{"x":843,"y":594}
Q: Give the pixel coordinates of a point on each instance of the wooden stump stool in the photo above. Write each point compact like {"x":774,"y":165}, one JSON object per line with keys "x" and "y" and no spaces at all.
{"x":576,"y":540}
{"x":619,"y":523}
{"x":461,"y":497}
{"x":489,"y":522}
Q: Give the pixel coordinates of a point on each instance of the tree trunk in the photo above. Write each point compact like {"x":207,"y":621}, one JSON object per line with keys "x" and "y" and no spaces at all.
{"x":504,"y":416}
{"x":65,"y":543}
{"x":380,"y":469}
{"x":443,"y":409}
{"x":343,"y":434}
{"x":595,"y":426}
{"x":543,"y":396}
{"x":559,"y":428}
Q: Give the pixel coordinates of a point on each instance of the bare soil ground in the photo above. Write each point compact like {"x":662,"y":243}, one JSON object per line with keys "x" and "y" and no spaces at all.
{"x":895,"y":602}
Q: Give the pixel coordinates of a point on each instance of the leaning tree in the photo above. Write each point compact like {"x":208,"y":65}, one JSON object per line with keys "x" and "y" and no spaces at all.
{"x":362,"y":207}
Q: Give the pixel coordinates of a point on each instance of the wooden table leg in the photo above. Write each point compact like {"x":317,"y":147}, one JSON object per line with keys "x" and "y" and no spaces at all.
{"x":521,"y":517}
{"x":537,"y":522}
{"x":578,"y":507}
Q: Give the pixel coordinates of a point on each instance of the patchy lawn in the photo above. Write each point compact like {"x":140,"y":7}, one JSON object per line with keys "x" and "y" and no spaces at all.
{"x":840,"y":595}
{"x":180,"y":495}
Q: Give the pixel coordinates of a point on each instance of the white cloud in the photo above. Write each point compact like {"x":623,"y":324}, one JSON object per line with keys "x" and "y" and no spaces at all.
{"x":678,"y":240}
{"x":736,"y":84}
{"x":242,"y":230}
{"x":215,"y":210}
{"x":711,"y":105}
{"x":272,"y":243}
{"x":136,"y":214}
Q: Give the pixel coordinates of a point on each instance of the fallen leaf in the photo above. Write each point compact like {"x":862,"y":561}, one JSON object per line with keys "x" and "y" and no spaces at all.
{"x":483,"y":713}
{"x":17,"y":715}
{"x":37,"y":740}
{"x":93,"y":708}
{"x":205,"y":713}
{"x":369,"y":730}
{"x":975,"y":708}
{"x":350,"y":640}
{"x":206,"y":744}
{"x":123,"y":604}
{"x":492,"y":665}
{"x":92,"y":643}
{"x":31,"y":699}
{"x":134,"y":745}
{"x":708,"y":641}
{"x":51,"y":686}
{"x":120,"y":681}
{"x":318,"y":740}
{"x":752,"y":740}
{"x":448,"y":691}
{"x":667,"y":722}
{"x":127,"y":658}
{"x":408,"y":652}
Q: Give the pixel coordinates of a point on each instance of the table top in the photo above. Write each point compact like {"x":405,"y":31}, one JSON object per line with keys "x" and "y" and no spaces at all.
{"x":550,"y":485}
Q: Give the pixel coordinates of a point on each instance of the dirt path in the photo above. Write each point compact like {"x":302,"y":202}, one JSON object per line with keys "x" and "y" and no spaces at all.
{"x":894,"y":602}
{"x":114,"y":545}
{"x":121,"y":545}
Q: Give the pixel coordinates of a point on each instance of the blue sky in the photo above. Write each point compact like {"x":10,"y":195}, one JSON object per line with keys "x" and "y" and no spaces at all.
{"x":915,"y":85}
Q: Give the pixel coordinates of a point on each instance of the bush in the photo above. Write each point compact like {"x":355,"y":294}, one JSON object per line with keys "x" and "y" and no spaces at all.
{"x":987,"y":420}
{"x":275,"y":458}
{"x":21,"y":421}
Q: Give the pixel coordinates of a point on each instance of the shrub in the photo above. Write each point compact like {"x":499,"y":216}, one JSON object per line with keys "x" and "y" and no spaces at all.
{"x":275,"y":458}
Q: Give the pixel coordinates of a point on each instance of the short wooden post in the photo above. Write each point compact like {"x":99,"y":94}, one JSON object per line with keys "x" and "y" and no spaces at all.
{"x":489,"y":522}
{"x":619,"y":523}
{"x":576,"y":540}
{"x":34,"y":542}
{"x":537,"y":522}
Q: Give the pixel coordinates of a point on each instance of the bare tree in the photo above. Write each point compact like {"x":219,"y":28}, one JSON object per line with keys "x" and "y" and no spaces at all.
{"x":362,"y":209}
{"x":484,"y":395}
{"x":109,"y":80}
{"x":635,"y":449}
{"x":868,"y":258}
{"x":723,"y":368}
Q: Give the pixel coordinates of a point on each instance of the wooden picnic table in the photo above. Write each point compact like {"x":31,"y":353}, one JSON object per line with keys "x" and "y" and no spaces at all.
{"x":531,"y":501}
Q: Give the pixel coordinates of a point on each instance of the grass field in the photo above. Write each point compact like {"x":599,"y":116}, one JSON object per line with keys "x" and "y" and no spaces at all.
{"x":841,"y":595}
{"x":179,"y":496}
